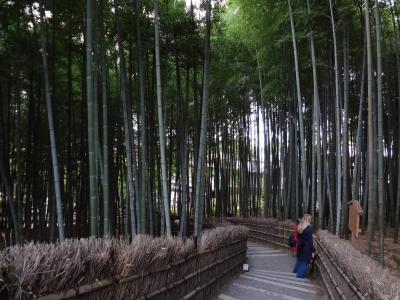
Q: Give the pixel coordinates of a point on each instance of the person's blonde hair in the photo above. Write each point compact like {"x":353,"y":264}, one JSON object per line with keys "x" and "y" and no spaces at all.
{"x":305,"y":221}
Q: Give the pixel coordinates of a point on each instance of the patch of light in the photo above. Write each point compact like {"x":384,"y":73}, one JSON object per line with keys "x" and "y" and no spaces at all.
{"x":48,"y":14}
{"x":80,"y":39}
{"x":195,"y":3}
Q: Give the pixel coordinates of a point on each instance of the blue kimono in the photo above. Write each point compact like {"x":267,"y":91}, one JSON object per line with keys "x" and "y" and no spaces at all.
{"x":304,"y":252}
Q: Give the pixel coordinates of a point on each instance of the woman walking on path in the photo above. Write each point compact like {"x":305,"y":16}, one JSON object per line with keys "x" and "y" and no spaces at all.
{"x":305,"y":249}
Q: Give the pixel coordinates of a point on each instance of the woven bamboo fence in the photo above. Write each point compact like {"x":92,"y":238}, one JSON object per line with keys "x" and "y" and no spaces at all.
{"x":166,"y":269}
{"x":267,"y":230}
{"x":195,"y":277}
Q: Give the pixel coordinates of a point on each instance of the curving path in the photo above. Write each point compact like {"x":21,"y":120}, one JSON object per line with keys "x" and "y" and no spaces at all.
{"x":270,"y":277}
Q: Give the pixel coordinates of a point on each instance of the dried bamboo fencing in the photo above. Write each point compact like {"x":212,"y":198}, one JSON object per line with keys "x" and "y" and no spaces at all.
{"x":195,"y":277}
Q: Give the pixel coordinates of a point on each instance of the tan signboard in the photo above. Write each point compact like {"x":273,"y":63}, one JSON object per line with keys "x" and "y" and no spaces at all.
{"x":355,"y":211}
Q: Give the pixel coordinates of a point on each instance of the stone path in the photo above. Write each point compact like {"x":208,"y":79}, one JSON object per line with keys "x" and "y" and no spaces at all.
{"x":270,"y":277}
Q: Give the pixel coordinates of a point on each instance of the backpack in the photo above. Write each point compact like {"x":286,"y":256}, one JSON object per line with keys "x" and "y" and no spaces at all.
{"x":291,"y":241}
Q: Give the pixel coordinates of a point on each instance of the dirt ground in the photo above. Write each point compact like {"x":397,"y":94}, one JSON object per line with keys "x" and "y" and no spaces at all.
{"x":392,"y":250}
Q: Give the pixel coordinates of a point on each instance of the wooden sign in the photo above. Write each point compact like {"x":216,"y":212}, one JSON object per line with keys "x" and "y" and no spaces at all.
{"x":355,"y":211}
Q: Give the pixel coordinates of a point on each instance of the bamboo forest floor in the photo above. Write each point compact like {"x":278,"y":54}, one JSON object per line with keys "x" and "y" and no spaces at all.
{"x":392,"y":251}
{"x":270,"y":277}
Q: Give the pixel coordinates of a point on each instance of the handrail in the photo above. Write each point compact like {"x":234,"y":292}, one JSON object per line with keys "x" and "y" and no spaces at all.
{"x":340,"y":271}
{"x":268,"y":241}
{"x":335,"y":284}
{"x":262,"y":225}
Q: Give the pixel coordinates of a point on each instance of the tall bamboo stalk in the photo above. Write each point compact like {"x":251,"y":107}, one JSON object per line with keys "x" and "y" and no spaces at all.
{"x":345,"y":161}
{"x":396,"y":34}
{"x":263,"y":111}
{"x":300,"y":113}
{"x":130,"y":164}
{"x":199,"y":197}
{"x":380,"y":133}
{"x":316,"y":122}
{"x":94,"y":221}
{"x":56,"y":173}
{"x":371,"y":151}
{"x":357,"y":150}
{"x":161,"y":130}
{"x":338,"y":117}
{"x":104,"y":75}
{"x":143,"y":137}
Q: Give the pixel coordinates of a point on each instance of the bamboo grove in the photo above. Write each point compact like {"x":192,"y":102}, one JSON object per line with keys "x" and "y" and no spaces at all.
{"x":124,"y":117}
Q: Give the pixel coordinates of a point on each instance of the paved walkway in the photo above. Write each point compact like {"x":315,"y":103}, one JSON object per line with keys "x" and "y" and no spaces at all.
{"x":270,"y":277}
